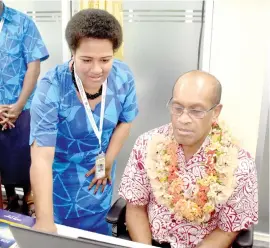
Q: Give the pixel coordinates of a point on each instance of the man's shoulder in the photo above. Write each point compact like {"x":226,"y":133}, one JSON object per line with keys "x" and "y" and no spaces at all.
{"x":246,"y":162}
{"x":143,"y":139}
{"x":17,"y":15}
{"x":20,"y":22}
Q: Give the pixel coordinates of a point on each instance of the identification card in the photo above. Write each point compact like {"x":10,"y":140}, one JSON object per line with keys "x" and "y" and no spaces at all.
{"x":100,"y":166}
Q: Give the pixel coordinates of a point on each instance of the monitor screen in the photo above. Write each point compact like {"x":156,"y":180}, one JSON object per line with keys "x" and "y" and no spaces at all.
{"x":29,"y":238}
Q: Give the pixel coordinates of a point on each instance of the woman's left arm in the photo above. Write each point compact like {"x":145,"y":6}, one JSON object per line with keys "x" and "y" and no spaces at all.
{"x":119,"y":136}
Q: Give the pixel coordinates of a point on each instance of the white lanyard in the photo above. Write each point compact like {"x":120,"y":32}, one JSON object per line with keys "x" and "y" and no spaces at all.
{"x":1,"y":24}
{"x":88,"y":110}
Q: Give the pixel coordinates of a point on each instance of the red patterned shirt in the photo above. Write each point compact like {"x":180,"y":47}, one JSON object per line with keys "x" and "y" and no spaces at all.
{"x":239,"y":212}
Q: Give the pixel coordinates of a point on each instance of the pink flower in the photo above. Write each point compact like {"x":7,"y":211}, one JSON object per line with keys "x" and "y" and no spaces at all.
{"x":202,"y":195}
{"x":172,"y":176}
{"x":172,"y":148}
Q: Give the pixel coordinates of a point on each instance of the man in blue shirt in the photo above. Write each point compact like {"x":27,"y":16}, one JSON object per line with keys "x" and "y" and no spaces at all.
{"x":21,"y":51}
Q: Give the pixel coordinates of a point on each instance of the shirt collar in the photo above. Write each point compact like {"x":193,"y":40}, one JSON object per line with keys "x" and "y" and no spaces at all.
{"x":6,"y":13}
{"x":204,"y":145}
{"x":200,"y":150}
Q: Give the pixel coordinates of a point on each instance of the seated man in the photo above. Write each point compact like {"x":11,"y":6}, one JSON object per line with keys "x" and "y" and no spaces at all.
{"x":187,"y":183}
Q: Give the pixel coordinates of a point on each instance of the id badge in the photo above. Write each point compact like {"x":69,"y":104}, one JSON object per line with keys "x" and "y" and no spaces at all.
{"x":100,"y":166}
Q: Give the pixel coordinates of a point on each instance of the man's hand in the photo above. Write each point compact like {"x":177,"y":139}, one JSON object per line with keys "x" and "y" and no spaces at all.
{"x":103,"y":181}
{"x":13,"y":112}
{"x":137,"y":216}
{"x":218,"y":239}
{"x":4,"y":108}
{"x":5,"y":121}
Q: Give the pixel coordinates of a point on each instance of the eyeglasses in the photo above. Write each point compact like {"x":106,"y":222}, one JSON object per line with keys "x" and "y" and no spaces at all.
{"x":178,"y":110}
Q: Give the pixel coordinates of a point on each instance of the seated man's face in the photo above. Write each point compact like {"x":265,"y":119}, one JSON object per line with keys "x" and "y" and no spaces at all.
{"x":197,"y":96}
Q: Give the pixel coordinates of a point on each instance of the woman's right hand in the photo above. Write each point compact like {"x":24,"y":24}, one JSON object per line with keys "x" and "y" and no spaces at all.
{"x":45,"y":227}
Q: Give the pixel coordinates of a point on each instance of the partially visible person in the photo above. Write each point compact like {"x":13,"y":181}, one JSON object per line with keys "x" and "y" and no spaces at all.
{"x":21,"y":51}
{"x":80,"y":120}
{"x":188,"y":184}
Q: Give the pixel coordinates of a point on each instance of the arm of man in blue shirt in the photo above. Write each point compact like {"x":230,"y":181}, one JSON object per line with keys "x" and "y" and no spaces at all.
{"x":33,"y":52}
{"x":29,"y":83}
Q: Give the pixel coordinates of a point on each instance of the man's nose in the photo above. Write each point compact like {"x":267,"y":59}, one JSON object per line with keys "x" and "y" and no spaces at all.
{"x":184,"y":117}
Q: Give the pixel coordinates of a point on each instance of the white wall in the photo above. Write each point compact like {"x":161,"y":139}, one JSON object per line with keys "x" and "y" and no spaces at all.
{"x":240,"y":36}
{"x":236,"y":51}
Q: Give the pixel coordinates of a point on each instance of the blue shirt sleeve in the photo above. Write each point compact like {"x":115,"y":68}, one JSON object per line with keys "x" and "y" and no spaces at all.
{"x":44,"y":111}
{"x":33,"y":45}
{"x":130,"y":107}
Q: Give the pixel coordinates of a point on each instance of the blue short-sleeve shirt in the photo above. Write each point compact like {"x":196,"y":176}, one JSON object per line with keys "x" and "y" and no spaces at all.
{"x":20,"y":44}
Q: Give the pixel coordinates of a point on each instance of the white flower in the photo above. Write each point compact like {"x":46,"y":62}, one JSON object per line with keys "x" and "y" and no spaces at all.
{"x":209,"y":207}
{"x":204,"y":218}
{"x":222,"y":197}
{"x":213,"y":190}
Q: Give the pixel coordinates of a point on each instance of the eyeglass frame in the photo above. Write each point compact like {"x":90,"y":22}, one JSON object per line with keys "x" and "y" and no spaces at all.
{"x":202,"y":111}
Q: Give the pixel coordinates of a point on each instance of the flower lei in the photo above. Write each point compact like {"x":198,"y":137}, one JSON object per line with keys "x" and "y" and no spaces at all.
{"x":214,"y":188}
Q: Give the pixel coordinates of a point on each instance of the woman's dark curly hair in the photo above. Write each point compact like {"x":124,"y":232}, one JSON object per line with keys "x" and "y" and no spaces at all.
{"x":93,"y":23}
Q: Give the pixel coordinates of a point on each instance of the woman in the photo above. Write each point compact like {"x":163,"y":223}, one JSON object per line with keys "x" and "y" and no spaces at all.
{"x":77,"y":117}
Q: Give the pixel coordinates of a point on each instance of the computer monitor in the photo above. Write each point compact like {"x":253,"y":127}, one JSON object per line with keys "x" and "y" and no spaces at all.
{"x":29,"y":238}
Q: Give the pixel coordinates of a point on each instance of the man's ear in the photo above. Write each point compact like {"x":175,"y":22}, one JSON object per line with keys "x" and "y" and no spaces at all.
{"x":217,"y":112}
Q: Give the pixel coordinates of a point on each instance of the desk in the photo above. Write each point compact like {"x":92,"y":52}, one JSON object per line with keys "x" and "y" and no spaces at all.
{"x":75,"y":233}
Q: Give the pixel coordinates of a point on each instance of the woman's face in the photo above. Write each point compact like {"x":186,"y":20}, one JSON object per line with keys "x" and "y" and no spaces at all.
{"x":93,"y":61}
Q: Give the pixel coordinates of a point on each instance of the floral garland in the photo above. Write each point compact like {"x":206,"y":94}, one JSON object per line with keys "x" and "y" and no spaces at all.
{"x":214,"y":188}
